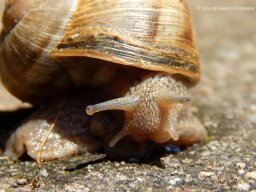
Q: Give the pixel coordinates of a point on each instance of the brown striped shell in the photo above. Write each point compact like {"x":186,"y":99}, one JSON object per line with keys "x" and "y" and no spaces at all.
{"x":40,"y":35}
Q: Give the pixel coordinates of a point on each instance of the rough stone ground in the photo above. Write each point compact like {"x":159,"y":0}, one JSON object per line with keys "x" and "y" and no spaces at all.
{"x":225,"y":101}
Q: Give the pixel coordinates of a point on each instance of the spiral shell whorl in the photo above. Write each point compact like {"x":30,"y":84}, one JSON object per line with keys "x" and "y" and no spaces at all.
{"x":27,"y":68}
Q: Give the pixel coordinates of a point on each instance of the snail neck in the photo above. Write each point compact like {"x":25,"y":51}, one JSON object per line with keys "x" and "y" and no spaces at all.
{"x":124,"y":78}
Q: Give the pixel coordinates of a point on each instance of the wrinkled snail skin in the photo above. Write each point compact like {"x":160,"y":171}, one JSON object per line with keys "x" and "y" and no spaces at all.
{"x":141,"y":53}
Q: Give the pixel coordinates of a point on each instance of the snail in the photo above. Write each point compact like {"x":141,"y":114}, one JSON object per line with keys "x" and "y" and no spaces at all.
{"x":140,"y":55}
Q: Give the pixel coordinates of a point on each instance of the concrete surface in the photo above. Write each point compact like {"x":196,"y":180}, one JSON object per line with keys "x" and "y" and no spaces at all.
{"x":225,"y":101}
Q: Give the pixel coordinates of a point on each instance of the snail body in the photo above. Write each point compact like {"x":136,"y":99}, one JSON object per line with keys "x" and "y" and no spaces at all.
{"x":140,"y":53}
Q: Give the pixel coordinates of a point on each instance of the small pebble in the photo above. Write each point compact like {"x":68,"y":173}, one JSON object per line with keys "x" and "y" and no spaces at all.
{"x":192,"y":153}
{"x":214,"y":145}
{"x":170,"y":162}
{"x":172,"y":182}
{"x":132,"y":185}
{"x":241,"y":171}
{"x":178,"y":181}
{"x":22,"y":181}
{"x":188,"y":178}
{"x":187,"y":161}
{"x":140,"y":179}
{"x":241,"y":165}
{"x":253,"y":107}
{"x":44,"y":173}
{"x":206,"y":153}
{"x":175,"y":181}
{"x":122,"y":163}
{"x":251,"y":174}
{"x":204,"y":174}
{"x":243,"y":186}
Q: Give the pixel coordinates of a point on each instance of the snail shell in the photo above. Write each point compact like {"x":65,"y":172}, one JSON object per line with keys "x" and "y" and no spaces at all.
{"x":49,"y":47}
{"x":39,"y":36}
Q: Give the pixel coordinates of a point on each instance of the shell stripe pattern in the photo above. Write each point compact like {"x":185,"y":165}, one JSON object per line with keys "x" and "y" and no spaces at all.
{"x":150,"y":34}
